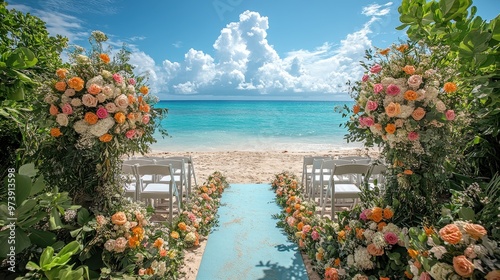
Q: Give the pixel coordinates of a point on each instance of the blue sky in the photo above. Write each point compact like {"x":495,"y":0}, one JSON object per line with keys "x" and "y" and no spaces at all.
{"x":237,"y":49}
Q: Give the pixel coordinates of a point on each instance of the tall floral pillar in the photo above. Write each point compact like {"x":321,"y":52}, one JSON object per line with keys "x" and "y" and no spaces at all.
{"x":99,"y":111}
{"x":404,"y":103}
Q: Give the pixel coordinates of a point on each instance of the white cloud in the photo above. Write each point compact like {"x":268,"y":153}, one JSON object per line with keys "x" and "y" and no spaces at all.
{"x":377,"y":10}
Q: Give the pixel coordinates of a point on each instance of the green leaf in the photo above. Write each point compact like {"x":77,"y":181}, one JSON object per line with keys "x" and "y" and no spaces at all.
{"x":23,"y":188}
{"x":32,"y":266}
{"x":83,"y":216}
{"x":24,"y":208}
{"x":467,"y":214}
{"x":71,"y":248}
{"x":28,"y":170}
{"x":38,"y":186}
{"x":42,"y":238}
{"x":46,"y":257}
{"x":55,"y":219}
{"x":22,"y":241}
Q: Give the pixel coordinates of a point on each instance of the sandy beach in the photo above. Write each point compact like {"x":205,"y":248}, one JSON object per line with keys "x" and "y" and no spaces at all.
{"x":249,"y":167}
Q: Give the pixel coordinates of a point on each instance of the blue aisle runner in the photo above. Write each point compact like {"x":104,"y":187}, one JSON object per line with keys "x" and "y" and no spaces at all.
{"x":247,"y":244}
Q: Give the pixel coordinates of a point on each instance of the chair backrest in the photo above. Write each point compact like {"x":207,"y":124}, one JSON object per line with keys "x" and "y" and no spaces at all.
{"x":154,"y":169}
{"x":139,"y":161}
{"x":354,"y":171}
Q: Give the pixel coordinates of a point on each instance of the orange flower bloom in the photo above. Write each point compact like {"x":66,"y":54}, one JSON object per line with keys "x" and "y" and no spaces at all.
{"x":450,"y":87}
{"x":288,"y":210}
{"x":451,"y":234}
{"x":60,"y":86}
{"x":300,"y":225}
{"x":388,"y":213}
{"x":402,"y":48}
{"x":119,"y":218}
{"x":131,"y":99}
{"x":149,"y":271}
{"x":381,"y":226}
{"x":463,"y":266}
{"x":182,"y":226}
{"x":359,"y":233}
{"x":409,"y":69}
{"x":144,"y":108}
{"x":408,"y":172}
{"x":493,"y":275}
{"x":76,"y":83}
{"x":163,"y":253}
{"x":341,"y":235}
{"x":53,"y":110}
{"x":139,"y":99}
{"x":355,"y":108}
{"x":428,"y":230}
{"x":133,"y":242}
{"x":413,"y":253}
{"x":158,"y":242}
{"x":319,"y":256}
{"x":384,"y":51}
{"x":410,"y":95}
{"x":374,"y":250}
{"x":55,"y":132}
{"x":106,"y":138}
{"x":131,"y":116}
{"x":144,"y":90}
{"x":336,"y":262}
{"x":120,"y":117}
{"x":91,"y":118}
{"x":475,"y":231}
{"x":297,"y":206}
{"x":94,"y":89}
{"x":105,"y":58}
{"x":384,"y":278}
{"x":61,"y":73}
{"x":174,"y":235}
{"x":408,"y":275}
{"x":390,"y":128}
{"x":376,"y":214}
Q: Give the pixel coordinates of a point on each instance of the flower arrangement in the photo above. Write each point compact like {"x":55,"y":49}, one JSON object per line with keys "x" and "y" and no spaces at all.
{"x":459,"y":250}
{"x":405,"y":103}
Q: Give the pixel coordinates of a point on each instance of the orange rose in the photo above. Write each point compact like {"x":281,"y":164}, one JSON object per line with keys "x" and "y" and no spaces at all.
{"x":144,"y":90}
{"x":475,"y":231}
{"x":408,"y":172}
{"x":341,"y":235}
{"x":376,"y":214}
{"x":451,"y":234}
{"x":359,"y":233}
{"x":336,"y":262}
{"x":402,"y":48}
{"x":413,"y":253}
{"x":60,"y":86}
{"x":390,"y":128}
{"x":158,"y":242}
{"x":374,"y":251}
{"x":91,"y":118}
{"x":384,"y":51}
{"x":393,"y":109}
{"x":300,"y":225}
{"x":381,"y":226}
{"x":377,"y":126}
{"x":131,"y":116}
{"x":182,"y":226}
{"x":463,"y":266}
{"x":410,"y":95}
{"x":174,"y":235}
{"x":61,"y":73}
{"x":131,"y":99}
{"x":493,"y":275}
{"x":356,"y":109}
{"x":105,"y":58}
{"x":76,"y":83}
{"x":144,"y":108}
{"x":53,"y":110}
{"x":119,"y":218}
{"x":388,"y":213}
{"x":418,"y":114}
{"x":106,"y":138}
{"x":120,"y":118}
{"x":319,"y":256}
{"x":409,"y":69}
{"x":450,"y":87}
{"x":55,"y":132}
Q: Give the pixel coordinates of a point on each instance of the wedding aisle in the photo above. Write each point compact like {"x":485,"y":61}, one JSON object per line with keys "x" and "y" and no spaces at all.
{"x":247,"y":244}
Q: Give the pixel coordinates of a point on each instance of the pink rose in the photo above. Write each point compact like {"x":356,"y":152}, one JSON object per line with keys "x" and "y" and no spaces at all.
{"x":130,"y":134}
{"x":365,"y":78}
{"x":110,"y":107}
{"x":371,"y":105}
{"x":450,"y":115}
{"x":315,"y":235}
{"x":378,"y":88}
{"x":131,"y":81}
{"x":67,"y":109}
{"x":366,"y":121}
{"x":375,"y":68}
{"x":102,"y":113}
{"x":89,"y":101}
{"x":364,"y":215}
{"x":145,"y":119}
{"x":412,"y":136}
{"x":118,"y":79}
{"x":391,"y":238}
{"x":424,"y":276}
{"x":121,"y":101}
{"x":306,"y":229}
{"x":393,"y":90}
{"x":414,"y":81}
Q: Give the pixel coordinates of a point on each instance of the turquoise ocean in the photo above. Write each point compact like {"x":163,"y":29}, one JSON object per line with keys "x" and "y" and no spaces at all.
{"x":252,"y":126}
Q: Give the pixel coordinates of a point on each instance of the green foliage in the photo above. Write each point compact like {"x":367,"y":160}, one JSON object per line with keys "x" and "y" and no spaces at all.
{"x":474,"y":50}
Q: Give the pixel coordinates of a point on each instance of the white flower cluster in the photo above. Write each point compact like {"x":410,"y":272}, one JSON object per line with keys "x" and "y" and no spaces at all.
{"x":362,"y":259}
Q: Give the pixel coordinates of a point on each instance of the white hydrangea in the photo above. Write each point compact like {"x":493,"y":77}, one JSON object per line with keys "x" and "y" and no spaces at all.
{"x":390,"y":227}
{"x":387,"y":81}
{"x":379,"y":240}
{"x":350,"y":260}
{"x":98,"y":80}
{"x":438,"y":251}
{"x":373,"y":226}
{"x":106,"y":74}
{"x":161,"y":269}
{"x":441,"y":271}
{"x":368,"y":234}
{"x":81,"y":127}
{"x":362,"y":258}
{"x":406,"y":111}
{"x":102,"y":127}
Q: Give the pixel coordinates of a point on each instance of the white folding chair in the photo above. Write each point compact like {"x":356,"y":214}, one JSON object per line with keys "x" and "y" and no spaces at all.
{"x":345,"y":190}
{"x":158,"y":190}
{"x":319,"y":175}
{"x":190,"y":174}
{"x":357,"y":159}
{"x":307,"y":171}
{"x":130,"y":181}
{"x":179,"y":171}
{"x":141,"y":161}
{"x":376,"y":175}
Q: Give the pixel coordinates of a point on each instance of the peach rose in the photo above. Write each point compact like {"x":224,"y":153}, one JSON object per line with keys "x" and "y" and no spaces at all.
{"x":61,"y":73}
{"x":388,"y":213}
{"x":94,"y":89}
{"x":463,"y":266}
{"x":393,"y":109}
{"x":331,"y":273}
{"x":409,"y":69}
{"x":89,"y":100}
{"x":106,"y":138}
{"x":374,"y":251}
{"x":451,"y":234}
{"x":55,"y":132}
{"x":53,"y":110}
{"x":475,"y":231}
{"x":493,"y":275}
{"x":121,"y":101}
{"x":119,"y":218}
{"x":60,"y":86}
{"x":418,"y":113}
{"x":91,"y":118}
{"x":120,"y":118}
{"x":410,"y":95}
{"x":414,"y":81}
{"x":110,"y":107}
{"x":376,"y":215}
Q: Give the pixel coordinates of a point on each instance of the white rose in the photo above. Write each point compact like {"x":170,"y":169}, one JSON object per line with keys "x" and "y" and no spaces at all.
{"x":82,"y":59}
{"x":89,"y":100}
{"x":108,"y":91}
{"x":75,"y":102}
{"x":98,"y":80}
{"x":121,"y":101}
{"x":101,"y":97}
{"x":414,"y":81}
{"x":130,"y":89}
{"x":62,"y":119}
{"x":110,"y":107}
{"x":440,"y":106}
{"x":106,"y":74}
{"x":117,"y":92}
{"x":69,"y":92}
{"x":65,"y":99}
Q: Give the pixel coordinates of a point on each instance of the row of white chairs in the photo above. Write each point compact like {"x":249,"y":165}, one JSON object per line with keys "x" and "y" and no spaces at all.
{"x":339,"y":180}
{"x":157,"y":179}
